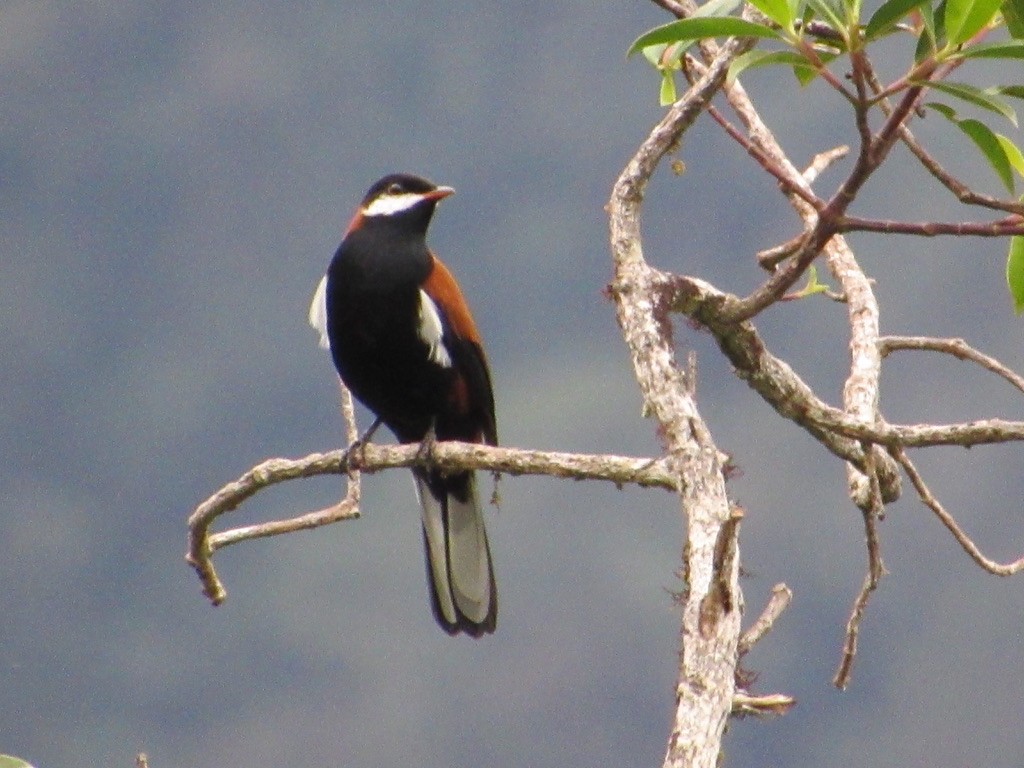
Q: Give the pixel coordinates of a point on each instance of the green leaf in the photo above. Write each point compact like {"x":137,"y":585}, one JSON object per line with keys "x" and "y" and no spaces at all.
{"x":667,"y":94}
{"x":965,"y":18}
{"x":1013,"y":15}
{"x":805,"y":73}
{"x":1015,"y":273}
{"x":885,"y":18}
{"x":714,"y":8}
{"x":754,"y":59}
{"x":1013,"y":153}
{"x":1012,"y":49}
{"x":827,"y":12}
{"x":1017,"y":91}
{"x":932,"y":35}
{"x":853,"y":11}
{"x":986,"y":141}
{"x":696,"y":28}
{"x":986,"y":99}
{"x":944,"y":109}
{"x":663,"y":57}
{"x":654,"y":53}
{"x":7,"y":761}
{"x":812,"y":287}
{"x":779,"y":11}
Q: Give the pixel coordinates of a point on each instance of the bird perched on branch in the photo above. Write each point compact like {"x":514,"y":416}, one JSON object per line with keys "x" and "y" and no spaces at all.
{"x":404,"y":342}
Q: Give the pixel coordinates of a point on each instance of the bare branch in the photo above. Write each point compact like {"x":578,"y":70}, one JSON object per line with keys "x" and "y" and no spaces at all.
{"x":961,"y":190}
{"x":871,"y":155}
{"x":778,"y":602}
{"x":1006,"y":227}
{"x":713,"y":604}
{"x":202,"y":543}
{"x":872,"y":513}
{"x":823,"y":160}
{"x":965,"y":541}
{"x":677,"y":9}
{"x":767,"y":162}
{"x":956,"y":347}
{"x":772,"y":257}
{"x":861,"y":390}
{"x":772,"y":705}
{"x":788,"y":394}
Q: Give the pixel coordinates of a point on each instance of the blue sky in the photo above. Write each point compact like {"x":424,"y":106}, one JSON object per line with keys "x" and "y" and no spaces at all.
{"x":174,"y":179}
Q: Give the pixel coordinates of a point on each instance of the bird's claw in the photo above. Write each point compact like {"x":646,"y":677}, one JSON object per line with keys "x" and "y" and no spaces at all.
{"x":355,"y":455}
{"x":425,"y":453}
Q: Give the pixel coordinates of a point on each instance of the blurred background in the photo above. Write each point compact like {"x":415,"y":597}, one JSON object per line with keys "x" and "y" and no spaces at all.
{"x":174,"y":178}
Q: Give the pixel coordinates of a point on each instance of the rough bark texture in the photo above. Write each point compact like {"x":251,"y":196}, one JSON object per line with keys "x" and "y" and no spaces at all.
{"x":712,"y":606}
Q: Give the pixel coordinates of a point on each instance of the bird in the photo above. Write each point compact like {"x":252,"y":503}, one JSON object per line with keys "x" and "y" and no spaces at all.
{"x":405,"y":344}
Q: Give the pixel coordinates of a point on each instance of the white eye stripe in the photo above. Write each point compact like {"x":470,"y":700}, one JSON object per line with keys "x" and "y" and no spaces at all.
{"x":432,"y":331}
{"x":388,"y":205}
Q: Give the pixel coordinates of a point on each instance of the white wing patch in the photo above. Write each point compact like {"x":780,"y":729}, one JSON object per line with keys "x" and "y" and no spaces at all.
{"x":318,"y":313}
{"x":432,"y":332}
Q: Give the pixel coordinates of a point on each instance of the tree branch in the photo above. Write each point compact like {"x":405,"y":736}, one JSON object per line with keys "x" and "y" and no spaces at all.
{"x":958,"y":348}
{"x":1005,"y":227}
{"x":960,"y":190}
{"x":872,"y":512}
{"x":965,"y":541}
{"x":788,"y":394}
{"x":621,"y":470}
{"x":778,"y":602}
{"x":713,"y":603}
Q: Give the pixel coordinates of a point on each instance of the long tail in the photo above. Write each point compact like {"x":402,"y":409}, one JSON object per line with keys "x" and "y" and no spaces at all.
{"x":459,"y":569}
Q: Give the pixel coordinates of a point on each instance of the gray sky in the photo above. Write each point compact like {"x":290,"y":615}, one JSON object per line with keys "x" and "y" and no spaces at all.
{"x":174,"y":178}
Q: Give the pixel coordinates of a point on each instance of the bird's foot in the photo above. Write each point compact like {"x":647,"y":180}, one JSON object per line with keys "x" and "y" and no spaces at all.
{"x":425,"y":453}
{"x":355,"y":455}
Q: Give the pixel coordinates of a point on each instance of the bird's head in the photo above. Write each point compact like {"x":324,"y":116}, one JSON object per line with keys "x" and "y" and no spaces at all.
{"x":400,"y":194}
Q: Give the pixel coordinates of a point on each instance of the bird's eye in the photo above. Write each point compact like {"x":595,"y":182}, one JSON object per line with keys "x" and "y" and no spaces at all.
{"x":394,"y":189}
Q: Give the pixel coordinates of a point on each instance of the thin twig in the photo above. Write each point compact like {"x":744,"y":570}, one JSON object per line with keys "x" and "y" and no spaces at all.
{"x":1005,"y":227}
{"x":872,"y":513}
{"x":871,"y":155}
{"x":778,"y":602}
{"x":958,"y":348}
{"x":770,"y":705}
{"x":677,"y":9}
{"x":785,"y":180}
{"x":928,"y":499}
{"x":770,"y":258}
{"x":960,"y":190}
{"x":842,"y":677}
{"x":821,"y":161}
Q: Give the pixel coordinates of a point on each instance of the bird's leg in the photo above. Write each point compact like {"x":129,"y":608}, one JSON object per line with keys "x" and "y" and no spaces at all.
{"x":360,"y":446}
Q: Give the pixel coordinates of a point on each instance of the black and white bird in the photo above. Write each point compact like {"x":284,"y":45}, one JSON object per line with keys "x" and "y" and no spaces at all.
{"x":405,"y":344}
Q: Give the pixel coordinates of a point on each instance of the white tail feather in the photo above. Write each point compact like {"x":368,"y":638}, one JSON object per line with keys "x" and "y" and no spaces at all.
{"x":470,"y":560}
{"x":459,"y":556}
{"x":433,"y":529}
